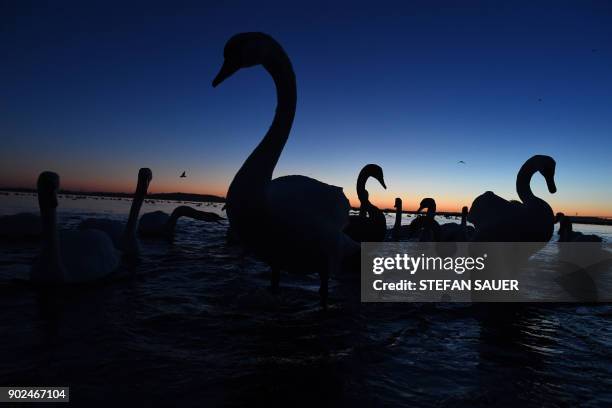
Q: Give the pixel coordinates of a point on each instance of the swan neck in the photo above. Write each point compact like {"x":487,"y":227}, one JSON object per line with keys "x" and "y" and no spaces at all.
{"x":258,"y":168}
{"x":130,"y":226}
{"x":464,"y":219}
{"x":523,"y":182}
{"x":398,"y":217}
{"x":50,"y":258}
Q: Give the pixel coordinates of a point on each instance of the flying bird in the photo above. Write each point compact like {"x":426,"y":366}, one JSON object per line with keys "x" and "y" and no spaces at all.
{"x":460,"y":162}
{"x":183,"y":175}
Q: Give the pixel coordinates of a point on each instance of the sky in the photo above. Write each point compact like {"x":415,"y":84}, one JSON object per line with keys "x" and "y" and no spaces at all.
{"x":94,"y":91}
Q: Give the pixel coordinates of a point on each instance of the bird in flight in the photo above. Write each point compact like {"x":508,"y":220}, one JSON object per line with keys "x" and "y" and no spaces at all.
{"x":183,"y":175}
{"x":460,"y":162}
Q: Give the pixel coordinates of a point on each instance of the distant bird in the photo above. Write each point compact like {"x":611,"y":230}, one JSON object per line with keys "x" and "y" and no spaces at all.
{"x":68,"y":256}
{"x":123,"y":234}
{"x":292,"y":222}
{"x":531,"y":220}
{"x":183,"y":175}
{"x":567,"y":234}
{"x":159,"y":224}
{"x":460,"y":162}
{"x":370,"y":225}
{"x":21,"y":226}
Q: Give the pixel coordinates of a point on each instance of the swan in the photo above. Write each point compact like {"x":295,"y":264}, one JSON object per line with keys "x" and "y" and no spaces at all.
{"x":453,"y":232}
{"x":122,"y":234}
{"x":292,"y":222}
{"x":22,"y":226}
{"x":567,"y":234}
{"x":531,"y":220}
{"x":399,"y":231}
{"x":68,"y":256}
{"x":370,"y":225}
{"x":426,"y":226}
{"x":160,"y":224}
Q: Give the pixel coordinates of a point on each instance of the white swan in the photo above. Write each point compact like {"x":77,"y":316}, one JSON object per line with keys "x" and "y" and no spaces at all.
{"x":370,"y":225}
{"x":531,"y":220}
{"x":22,"y":226}
{"x":122,"y":234}
{"x":160,"y":224}
{"x":292,"y":222}
{"x":69,"y":256}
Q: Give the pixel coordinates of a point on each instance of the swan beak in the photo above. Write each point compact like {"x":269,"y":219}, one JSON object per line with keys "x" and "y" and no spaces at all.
{"x":226,"y":71}
{"x":382,"y":183}
{"x":552,"y":188}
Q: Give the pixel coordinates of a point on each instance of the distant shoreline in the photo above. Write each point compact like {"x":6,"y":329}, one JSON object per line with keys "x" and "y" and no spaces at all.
{"x":216,"y":199}
{"x":155,"y":196}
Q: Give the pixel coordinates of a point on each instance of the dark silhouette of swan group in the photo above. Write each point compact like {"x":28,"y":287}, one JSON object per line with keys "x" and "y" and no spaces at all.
{"x":293,"y":223}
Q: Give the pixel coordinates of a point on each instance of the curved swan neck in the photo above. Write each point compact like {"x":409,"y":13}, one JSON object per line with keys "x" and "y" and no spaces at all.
{"x":523,"y":181}
{"x":362,"y":179}
{"x":259,"y":166}
{"x":180,"y":211}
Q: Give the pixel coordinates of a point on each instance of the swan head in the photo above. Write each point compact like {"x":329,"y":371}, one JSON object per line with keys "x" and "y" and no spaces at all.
{"x":145,"y":176}
{"x":428,"y":203}
{"x":375,"y":171}
{"x":48,"y":186}
{"x":398,"y":203}
{"x":246,"y":50}
{"x":546,"y":166}
{"x":559,"y":216}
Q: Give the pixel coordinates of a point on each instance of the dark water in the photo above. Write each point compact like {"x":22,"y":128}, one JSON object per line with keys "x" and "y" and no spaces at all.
{"x":196,"y":326}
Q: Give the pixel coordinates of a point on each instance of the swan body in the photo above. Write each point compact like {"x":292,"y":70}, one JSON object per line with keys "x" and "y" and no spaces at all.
{"x":567,"y":234}
{"x":20,"y":226}
{"x":161,"y":224}
{"x":123,"y":235}
{"x":426,"y":228}
{"x":530,"y":220}
{"x":294,"y":222}
{"x":69,"y":256}
{"x":370,"y":225}
{"x":453,"y":232}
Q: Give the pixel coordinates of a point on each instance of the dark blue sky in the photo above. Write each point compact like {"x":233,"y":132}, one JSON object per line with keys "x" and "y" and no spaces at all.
{"x":97,"y":91}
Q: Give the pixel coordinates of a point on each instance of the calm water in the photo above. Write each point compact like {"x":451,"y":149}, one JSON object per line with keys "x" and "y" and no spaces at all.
{"x":196,"y":326}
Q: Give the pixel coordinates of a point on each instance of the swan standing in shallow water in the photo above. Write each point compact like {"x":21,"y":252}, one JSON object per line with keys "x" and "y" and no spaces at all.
{"x":292,"y":222}
{"x":567,"y":234}
{"x":531,"y":220}
{"x":161,"y":225}
{"x":69,"y":256}
{"x":124,"y":235}
{"x":370,"y":225}
{"x":22,"y":226}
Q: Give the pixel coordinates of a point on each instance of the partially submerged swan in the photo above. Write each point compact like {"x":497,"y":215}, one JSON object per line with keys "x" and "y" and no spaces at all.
{"x":123,"y":234}
{"x":567,"y":234}
{"x":68,"y":256}
{"x":292,"y":222}
{"x":160,"y":224}
{"x":26,"y":226}
{"x":370,"y":225}
{"x":531,"y":220}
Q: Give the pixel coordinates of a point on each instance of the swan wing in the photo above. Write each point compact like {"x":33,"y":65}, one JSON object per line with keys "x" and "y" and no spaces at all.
{"x":112,"y":228}
{"x":312,"y":211}
{"x":152,"y":222}
{"x":87,"y":255}
{"x":488,"y":209}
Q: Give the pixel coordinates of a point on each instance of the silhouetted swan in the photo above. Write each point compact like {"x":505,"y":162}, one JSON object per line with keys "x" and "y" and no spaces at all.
{"x":160,"y":224}
{"x":68,"y":256}
{"x":183,"y":175}
{"x":124,"y":234}
{"x":370,"y":225}
{"x":292,"y":222}
{"x":532,"y":220}
{"x":399,"y":231}
{"x":567,"y":234}
{"x":26,"y":226}
{"x":426,"y":228}
{"x":453,"y":232}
